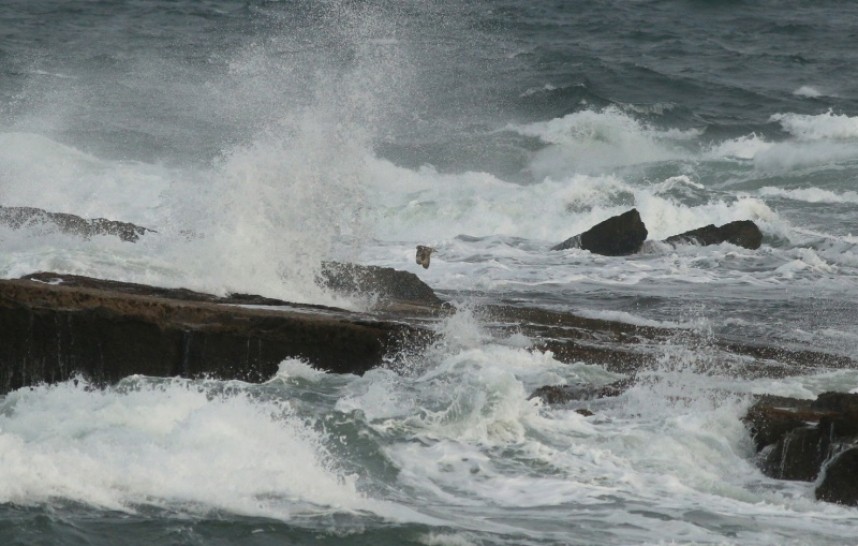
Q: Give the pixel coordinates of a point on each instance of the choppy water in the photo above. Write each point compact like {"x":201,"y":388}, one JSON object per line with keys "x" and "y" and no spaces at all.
{"x":259,"y":138}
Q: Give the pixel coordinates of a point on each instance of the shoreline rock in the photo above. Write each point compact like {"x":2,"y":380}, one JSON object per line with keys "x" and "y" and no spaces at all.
{"x":626,"y":233}
{"x":108,"y":330}
{"x":19,"y":217}
{"x":809,"y":440}
{"x":617,"y":236}
{"x":386,"y":283}
{"x":744,"y":233}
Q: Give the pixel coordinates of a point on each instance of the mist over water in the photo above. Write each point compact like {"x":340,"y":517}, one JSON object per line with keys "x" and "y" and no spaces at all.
{"x":261,"y":138}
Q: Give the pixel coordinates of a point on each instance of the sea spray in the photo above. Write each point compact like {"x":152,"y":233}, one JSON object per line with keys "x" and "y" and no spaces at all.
{"x":160,"y":443}
{"x":596,"y":141}
{"x":491,"y":132}
{"x":273,"y":206}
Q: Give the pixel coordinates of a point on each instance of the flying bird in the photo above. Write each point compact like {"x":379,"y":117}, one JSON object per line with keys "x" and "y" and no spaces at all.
{"x":424,"y":253}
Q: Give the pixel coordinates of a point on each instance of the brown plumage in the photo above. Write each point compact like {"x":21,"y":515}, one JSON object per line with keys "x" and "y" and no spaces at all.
{"x":424,"y":253}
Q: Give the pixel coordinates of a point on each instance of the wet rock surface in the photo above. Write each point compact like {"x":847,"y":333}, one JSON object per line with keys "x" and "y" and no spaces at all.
{"x":809,"y":440}
{"x":55,"y":326}
{"x":385,"y":283}
{"x":625,"y":234}
{"x":840,"y":481}
{"x":106,"y":330}
{"x":564,"y":394}
{"x":617,"y":236}
{"x":744,"y":233}
{"x":19,"y":217}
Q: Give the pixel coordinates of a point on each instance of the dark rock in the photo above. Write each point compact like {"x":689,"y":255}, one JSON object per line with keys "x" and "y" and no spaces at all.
{"x":840,"y":480}
{"x":18,"y":217}
{"x":798,"y":455}
{"x":389,"y":284}
{"x":773,"y":417}
{"x":744,"y":233}
{"x":584,"y":412}
{"x":803,"y":439}
{"x":50,"y":332}
{"x":562,"y":394}
{"x":842,"y":402}
{"x":617,"y":236}
{"x":385,"y":282}
{"x":841,"y":414}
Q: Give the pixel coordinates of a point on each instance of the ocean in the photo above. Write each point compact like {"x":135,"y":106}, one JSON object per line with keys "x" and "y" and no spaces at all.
{"x":260,"y":138}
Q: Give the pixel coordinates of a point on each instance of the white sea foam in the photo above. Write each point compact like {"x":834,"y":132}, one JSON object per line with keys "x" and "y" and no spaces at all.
{"x":183,"y":446}
{"x":808,"y":91}
{"x":536,"y":90}
{"x":816,"y":127}
{"x":816,"y":139}
{"x":169,"y":444}
{"x":79,"y":183}
{"x":629,"y":318}
{"x":446,"y":539}
{"x":746,"y":147}
{"x":811,"y":195}
{"x":806,"y":260}
{"x":790,"y":155}
{"x":432,"y":207}
{"x":591,"y":141}
{"x":676,"y":435}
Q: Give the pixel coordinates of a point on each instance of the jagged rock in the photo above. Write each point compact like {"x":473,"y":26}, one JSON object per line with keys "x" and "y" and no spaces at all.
{"x":840,"y":481}
{"x":744,"y":233}
{"x":773,"y":417}
{"x":385,"y":282}
{"x":798,"y":455}
{"x":617,"y":236}
{"x":107,"y":330}
{"x":801,"y":439}
{"x":562,"y":394}
{"x":18,"y":217}
{"x":794,"y":435}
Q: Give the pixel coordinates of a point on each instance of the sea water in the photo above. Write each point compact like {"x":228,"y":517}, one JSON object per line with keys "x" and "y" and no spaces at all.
{"x":260,"y":138}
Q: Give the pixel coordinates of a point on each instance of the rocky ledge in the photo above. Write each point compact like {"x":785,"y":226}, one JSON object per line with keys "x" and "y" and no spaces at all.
{"x":18,"y":217}
{"x":53,"y":327}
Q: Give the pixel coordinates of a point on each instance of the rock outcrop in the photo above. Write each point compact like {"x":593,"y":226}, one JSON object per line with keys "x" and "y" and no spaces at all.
{"x":744,"y":233}
{"x":625,"y":234}
{"x":18,"y":217}
{"x":564,"y":394}
{"x":808,"y":440}
{"x":617,"y":236}
{"x":106,"y":330}
{"x":386,"y":283}
{"x":840,"y":482}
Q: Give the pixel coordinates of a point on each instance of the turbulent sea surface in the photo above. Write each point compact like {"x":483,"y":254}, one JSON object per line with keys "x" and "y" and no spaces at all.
{"x":260,"y":138}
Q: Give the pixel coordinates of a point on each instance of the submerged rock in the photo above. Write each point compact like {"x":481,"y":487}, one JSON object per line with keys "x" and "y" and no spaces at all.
{"x":744,"y":233}
{"x":617,"y":236}
{"x":18,"y":217}
{"x":563,"y":394}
